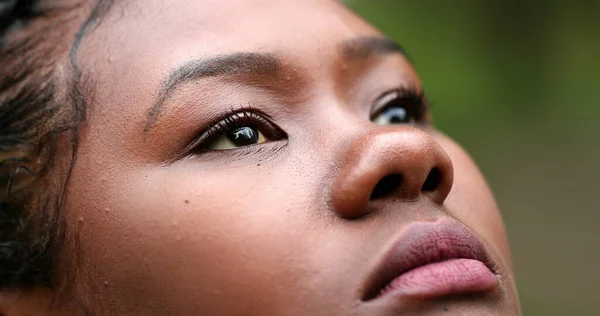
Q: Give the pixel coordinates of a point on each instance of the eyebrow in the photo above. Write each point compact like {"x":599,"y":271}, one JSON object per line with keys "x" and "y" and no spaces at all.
{"x":256,"y":64}
{"x":223,"y":65}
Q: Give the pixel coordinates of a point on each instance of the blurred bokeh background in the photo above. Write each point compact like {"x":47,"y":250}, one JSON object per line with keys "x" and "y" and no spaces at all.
{"x":518,"y":84}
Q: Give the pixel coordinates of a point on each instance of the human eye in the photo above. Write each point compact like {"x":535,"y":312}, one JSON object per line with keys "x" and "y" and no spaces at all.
{"x":400,"y":106}
{"x":236,"y":130}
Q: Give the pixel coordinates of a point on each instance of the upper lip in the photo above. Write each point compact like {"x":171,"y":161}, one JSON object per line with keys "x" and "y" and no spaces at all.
{"x":424,"y":243}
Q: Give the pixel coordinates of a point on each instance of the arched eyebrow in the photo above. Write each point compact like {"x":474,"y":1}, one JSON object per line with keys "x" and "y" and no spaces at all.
{"x":236,"y":64}
{"x":256,"y":65}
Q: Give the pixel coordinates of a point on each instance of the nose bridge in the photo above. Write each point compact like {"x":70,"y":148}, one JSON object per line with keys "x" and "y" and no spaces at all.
{"x":404,"y":162}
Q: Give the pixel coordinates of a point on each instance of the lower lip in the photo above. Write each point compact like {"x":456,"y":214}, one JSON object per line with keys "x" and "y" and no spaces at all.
{"x":451,"y":277}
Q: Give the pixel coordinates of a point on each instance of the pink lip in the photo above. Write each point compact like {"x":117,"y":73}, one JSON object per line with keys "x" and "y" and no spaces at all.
{"x":433,"y":259}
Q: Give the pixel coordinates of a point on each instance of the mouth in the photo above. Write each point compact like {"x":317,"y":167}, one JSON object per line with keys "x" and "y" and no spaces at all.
{"x":433,"y":259}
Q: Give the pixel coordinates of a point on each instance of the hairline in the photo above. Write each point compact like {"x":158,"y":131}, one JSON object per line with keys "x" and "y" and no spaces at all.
{"x":78,"y":85}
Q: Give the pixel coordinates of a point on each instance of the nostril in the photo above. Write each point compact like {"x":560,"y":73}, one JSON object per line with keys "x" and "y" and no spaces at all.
{"x":386,"y":186}
{"x":433,"y":180}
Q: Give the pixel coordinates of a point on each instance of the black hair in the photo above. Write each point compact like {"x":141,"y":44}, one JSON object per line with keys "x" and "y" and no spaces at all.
{"x":41,"y":106}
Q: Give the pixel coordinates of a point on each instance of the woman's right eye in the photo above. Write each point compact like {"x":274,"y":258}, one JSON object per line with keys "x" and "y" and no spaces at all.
{"x":237,"y":130}
{"x":239,"y":137}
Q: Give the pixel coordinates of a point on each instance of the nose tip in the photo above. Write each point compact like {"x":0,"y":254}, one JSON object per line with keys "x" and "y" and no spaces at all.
{"x":400,"y":162}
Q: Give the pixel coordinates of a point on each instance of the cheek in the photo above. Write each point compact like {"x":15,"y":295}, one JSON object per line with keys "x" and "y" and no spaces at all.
{"x":181,"y":238}
{"x":472,"y":202}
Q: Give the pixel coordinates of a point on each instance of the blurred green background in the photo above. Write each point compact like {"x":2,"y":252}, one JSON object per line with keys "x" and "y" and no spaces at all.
{"x":518,"y":84}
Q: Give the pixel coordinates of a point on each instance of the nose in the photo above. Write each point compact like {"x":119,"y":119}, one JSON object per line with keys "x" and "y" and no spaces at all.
{"x":392,"y":162}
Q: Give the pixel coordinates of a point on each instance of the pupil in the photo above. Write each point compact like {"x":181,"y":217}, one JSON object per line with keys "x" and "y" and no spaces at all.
{"x":243,"y":136}
{"x":396,"y":115}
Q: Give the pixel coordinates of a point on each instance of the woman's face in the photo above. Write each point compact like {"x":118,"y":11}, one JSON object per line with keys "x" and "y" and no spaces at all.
{"x":272,"y":158}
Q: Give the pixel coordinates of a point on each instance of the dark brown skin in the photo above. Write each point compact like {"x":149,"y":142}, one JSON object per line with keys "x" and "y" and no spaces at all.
{"x":285,"y":227}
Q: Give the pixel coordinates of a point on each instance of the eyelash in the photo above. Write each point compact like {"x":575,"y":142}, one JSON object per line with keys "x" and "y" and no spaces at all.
{"x":233,"y":119}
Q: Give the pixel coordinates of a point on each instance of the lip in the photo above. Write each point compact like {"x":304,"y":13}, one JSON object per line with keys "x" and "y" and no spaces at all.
{"x":433,"y":259}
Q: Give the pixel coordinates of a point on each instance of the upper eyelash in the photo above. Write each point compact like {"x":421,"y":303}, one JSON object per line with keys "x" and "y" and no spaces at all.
{"x":227,"y":124}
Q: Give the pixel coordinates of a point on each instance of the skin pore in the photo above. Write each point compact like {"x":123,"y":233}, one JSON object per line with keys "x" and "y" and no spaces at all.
{"x":171,"y":216}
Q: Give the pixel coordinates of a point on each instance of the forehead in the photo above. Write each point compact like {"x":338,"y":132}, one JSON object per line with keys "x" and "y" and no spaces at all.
{"x":139,"y":42}
{"x":256,"y":19}
{"x":181,"y":29}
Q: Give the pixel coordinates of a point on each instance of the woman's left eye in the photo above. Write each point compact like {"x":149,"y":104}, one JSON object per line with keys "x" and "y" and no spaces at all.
{"x":393,"y":115}
{"x":399,"y":107}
